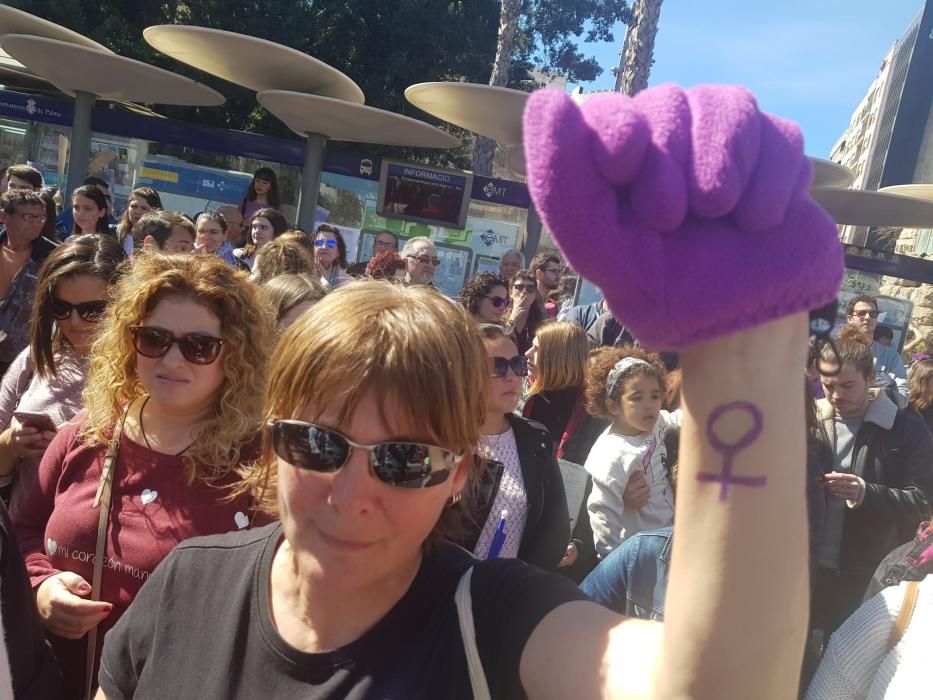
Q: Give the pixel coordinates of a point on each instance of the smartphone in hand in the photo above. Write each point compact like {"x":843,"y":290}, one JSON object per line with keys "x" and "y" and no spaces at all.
{"x":40,"y":421}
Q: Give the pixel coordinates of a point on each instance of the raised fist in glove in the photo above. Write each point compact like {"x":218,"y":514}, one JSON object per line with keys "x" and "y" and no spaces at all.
{"x":689,"y":208}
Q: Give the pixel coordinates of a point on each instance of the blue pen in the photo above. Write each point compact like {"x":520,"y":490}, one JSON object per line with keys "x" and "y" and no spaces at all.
{"x":498,"y":539}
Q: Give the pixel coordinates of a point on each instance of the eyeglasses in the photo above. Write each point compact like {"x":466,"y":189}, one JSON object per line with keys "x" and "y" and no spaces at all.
{"x":425,"y":259}
{"x":196,"y":348}
{"x":498,"y":302}
{"x":385,"y":245}
{"x":525,"y":287}
{"x":550,"y":269}
{"x":405,"y":465}
{"x":32,"y":218}
{"x":865,"y":313}
{"x":501,"y":366}
{"x":87,"y":310}
{"x":325,"y":242}
{"x":822,"y":322}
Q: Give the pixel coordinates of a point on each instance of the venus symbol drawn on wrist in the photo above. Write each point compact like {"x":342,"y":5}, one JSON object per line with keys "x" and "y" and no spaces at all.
{"x":729,"y":450}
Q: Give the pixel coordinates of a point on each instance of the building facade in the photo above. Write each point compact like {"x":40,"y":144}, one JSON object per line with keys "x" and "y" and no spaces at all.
{"x":889,"y":140}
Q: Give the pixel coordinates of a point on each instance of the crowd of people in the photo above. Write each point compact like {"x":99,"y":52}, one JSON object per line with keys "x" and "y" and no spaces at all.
{"x":233,"y":464}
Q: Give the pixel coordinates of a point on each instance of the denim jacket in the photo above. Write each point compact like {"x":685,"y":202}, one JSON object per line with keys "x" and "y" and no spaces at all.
{"x":632,"y":579}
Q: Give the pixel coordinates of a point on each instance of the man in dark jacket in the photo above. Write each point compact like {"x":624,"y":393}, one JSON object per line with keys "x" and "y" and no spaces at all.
{"x":879,"y":491}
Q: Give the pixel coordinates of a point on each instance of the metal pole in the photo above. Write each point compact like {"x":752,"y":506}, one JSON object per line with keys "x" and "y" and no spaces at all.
{"x":532,"y":233}
{"x":80,"y":151}
{"x":310,"y":181}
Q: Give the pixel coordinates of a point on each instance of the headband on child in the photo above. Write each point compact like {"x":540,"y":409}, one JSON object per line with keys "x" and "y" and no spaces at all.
{"x":616,"y":372}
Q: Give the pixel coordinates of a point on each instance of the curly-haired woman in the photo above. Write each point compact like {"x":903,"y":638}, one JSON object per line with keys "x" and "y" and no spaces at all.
{"x":173,"y":409}
{"x":387,"y":265}
{"x":330,"y":250}
{"x":486,"y":296}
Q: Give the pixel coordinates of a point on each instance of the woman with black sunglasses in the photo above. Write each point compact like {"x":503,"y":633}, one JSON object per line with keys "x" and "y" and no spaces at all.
{"x":43,"y":386}
{"x":486,"y":297}
{"x":521,"y":511}
{"x":173,"y":406}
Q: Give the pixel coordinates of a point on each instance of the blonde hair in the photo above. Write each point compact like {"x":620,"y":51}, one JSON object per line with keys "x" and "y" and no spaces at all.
{"x":398,"y":346}
{"x":563,"y":350}
{"x":247,"y":330}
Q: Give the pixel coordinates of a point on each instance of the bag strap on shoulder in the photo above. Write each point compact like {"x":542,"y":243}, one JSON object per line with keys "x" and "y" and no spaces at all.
{"x":102,"y":499}
{"x":464,"y":600}
{"x":904,"y":614}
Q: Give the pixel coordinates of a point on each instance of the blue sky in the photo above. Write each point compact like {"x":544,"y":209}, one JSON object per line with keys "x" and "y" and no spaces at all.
{"x":807,"y":60}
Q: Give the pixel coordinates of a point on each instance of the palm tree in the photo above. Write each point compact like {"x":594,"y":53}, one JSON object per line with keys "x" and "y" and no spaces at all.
{"x":638,"y":49}
{"x":484,"y":149}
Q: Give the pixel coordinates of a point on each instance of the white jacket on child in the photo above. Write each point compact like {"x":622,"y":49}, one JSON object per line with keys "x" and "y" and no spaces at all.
{"x":613,"y":459}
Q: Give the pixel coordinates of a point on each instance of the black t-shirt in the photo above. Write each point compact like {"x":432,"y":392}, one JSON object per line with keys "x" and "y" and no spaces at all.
{"x":201,"y":628}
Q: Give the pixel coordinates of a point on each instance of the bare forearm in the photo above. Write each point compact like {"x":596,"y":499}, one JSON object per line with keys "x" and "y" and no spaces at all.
{"x":8,"y":455}
{"x":740,"y":550}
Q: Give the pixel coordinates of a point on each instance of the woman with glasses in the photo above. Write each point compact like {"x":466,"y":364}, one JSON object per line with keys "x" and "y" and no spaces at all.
{"x":486,"y":297}
{"x":265,"y":225}
{"x":527,"y":309}
{"x":42,"y":389}
{"x":521,"y":482}
{"x":331,"y":254}
{"x":172,"y":411}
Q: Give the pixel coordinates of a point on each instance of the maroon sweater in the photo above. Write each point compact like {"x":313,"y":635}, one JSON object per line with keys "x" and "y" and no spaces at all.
{"x":153,"y":508}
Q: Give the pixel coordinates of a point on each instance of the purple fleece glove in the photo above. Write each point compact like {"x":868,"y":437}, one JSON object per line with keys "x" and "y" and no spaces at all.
{"x":689,"y":208}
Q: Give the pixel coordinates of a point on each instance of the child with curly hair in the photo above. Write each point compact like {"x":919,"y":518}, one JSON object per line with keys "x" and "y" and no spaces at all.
{"x":627,"y":386}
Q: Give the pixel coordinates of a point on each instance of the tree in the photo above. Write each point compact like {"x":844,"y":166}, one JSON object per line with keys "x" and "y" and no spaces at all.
{"x":638,"y":49}
{"x":550,"y":32}
{"x":384,"y":47}
{"x":544,"y":34}
{"x":484,"y":148}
